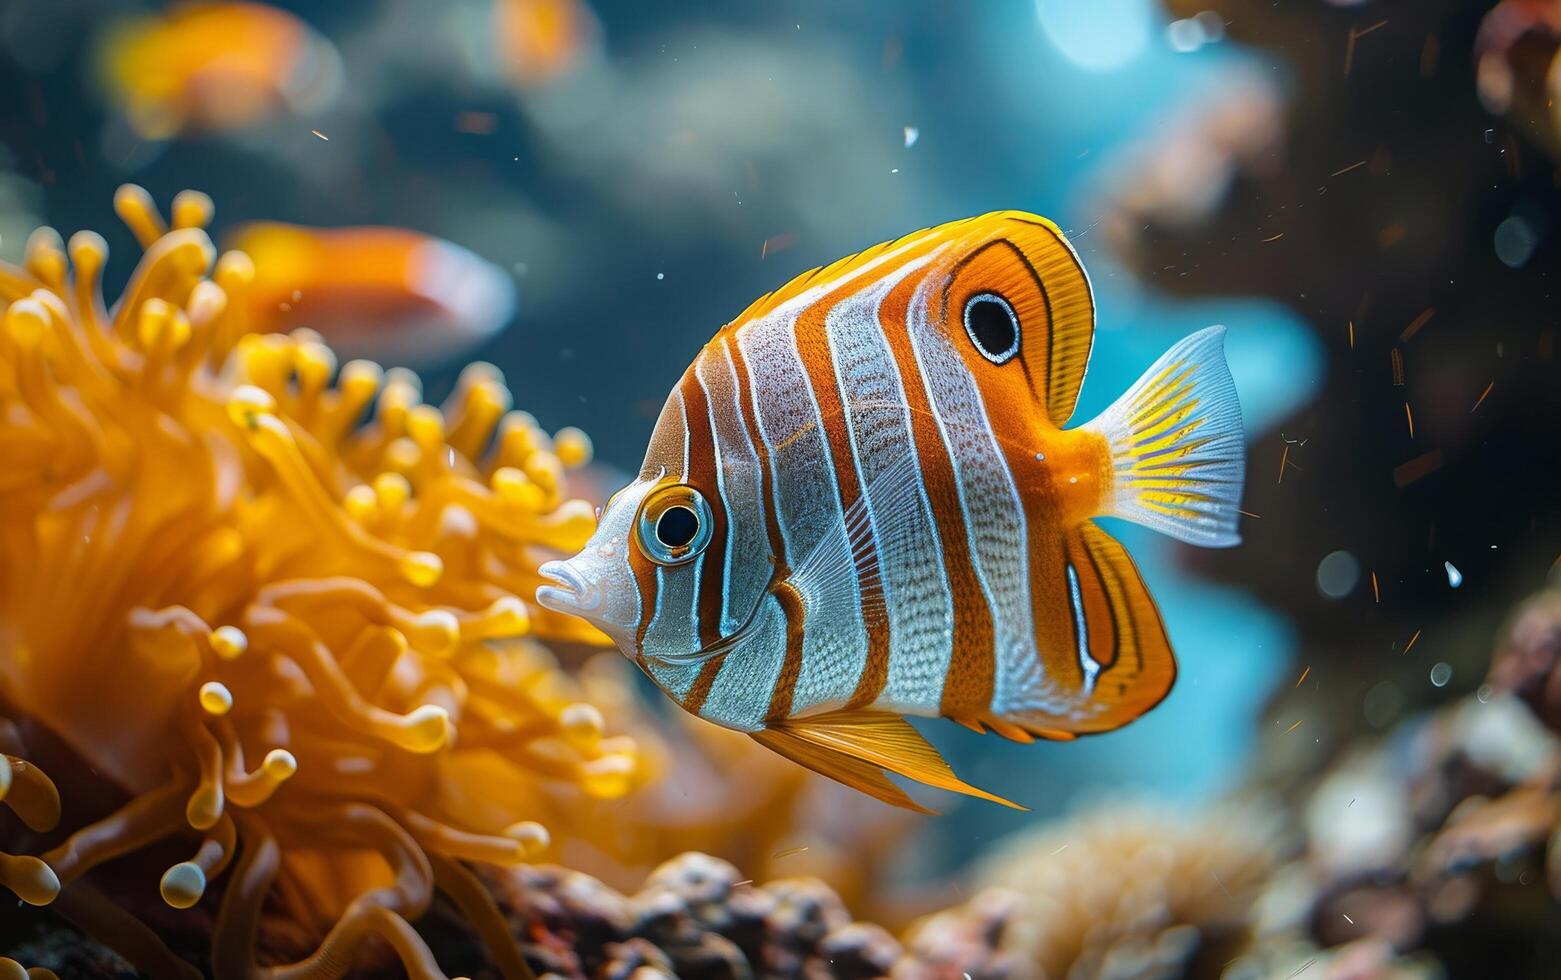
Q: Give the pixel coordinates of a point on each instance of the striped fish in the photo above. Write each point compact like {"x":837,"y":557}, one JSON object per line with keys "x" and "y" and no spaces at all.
{"x":860,"y":504}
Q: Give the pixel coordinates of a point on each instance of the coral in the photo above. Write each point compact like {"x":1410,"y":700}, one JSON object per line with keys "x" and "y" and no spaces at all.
{"x":1434,"y":849}
{"x":241,"y":622}
{"x":694,"y":917}
{"x":1126,"y":890}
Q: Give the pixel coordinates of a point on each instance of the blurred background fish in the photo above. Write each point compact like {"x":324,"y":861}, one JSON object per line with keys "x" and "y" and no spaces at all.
{"x":541,"y":39}
{"x":209,"y":67}
{"x":386,"y":293}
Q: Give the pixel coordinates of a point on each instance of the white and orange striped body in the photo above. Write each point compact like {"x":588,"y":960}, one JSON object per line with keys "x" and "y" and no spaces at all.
{"x":853,"y":421}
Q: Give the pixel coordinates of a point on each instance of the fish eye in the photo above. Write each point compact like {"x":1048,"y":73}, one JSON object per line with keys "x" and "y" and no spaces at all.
{"x":674,"y":525}
{"x":993,"y":327}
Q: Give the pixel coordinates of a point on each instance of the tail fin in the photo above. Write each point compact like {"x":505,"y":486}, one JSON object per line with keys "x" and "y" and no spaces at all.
{"x":1176,"y":445}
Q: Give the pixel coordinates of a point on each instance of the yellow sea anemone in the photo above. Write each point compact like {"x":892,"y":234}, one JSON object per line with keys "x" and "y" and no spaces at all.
{"x":267,"y":618}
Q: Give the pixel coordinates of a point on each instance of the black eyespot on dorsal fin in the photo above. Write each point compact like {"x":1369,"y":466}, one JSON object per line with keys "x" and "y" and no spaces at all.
{"x":992,"y":326}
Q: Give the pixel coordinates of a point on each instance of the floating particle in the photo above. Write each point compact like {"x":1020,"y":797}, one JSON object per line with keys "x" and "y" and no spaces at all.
{"x":1418,"y":322}
{"x":1397,"y":358}
{"x":1298,"y":681}
{"x":1441,"y":674}
{"x":661,"y":275}
{"x":788,"y":852}
{"x":1485,"y":693}
{"x":1481,"y":400}
{"x":1354,"y":166}
{"x":777,"y":243}
{"x":1515,"y":241}
{"x":912,"y":134}
{"x":1355,"y":35}
{"x":1412,"y":640}
{"x":321,"y":135}
{"x":1454,"y":576}
{"x":1347,"y":918}
{"x":1338,"y":574}
{"x":1406,"y":473}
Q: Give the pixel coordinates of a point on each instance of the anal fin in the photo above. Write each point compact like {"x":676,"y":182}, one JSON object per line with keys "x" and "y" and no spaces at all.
{"x":838,"y":766}
{"x":876,"y":740}
{"x":1123,"y":655}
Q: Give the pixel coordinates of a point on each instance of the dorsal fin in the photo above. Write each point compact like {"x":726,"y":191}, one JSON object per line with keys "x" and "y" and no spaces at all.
{"x":1026,"y":260}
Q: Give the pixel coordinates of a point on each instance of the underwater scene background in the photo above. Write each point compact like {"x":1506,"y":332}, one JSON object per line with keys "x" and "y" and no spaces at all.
{"x":1356,"y":774}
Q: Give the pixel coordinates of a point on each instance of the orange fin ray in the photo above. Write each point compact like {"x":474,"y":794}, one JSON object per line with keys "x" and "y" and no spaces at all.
{"x":837,"y":766}
{"x":884,"y":740}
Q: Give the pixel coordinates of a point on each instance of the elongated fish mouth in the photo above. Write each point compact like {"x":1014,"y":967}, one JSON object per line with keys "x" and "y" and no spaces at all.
{"x":572,"y":594}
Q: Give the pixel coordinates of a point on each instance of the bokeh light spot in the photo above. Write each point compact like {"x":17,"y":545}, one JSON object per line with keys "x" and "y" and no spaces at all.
{"x":1100,"y":36}
{"x":1338,"y":574}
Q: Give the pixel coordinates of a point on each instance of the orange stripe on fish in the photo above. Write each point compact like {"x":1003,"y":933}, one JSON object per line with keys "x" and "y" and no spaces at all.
{"x":967,"y":689}
{"x":928,"y":521}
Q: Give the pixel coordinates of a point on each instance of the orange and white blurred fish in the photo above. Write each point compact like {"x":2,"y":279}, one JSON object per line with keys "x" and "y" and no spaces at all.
{"x":540,"y":40}
{"x":216,"y":66}
{"x":388,"y":293}
{"x":859,"y":504}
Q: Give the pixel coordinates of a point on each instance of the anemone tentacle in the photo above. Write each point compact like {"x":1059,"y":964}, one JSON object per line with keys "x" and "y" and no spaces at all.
{"x":271,"y":609}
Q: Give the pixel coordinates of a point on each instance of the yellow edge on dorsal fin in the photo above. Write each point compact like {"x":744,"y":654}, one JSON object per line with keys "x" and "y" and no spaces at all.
{"x":837,"y":766}
{"x":886,"y":740}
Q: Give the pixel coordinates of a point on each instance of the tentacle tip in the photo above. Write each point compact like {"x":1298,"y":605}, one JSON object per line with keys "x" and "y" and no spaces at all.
{"x":228,"y":642}
{"x":532,"y":837}
{"x":27,"y":320}
{"x":279,"y":764}
{"x":33,"y":881}
{"x":610,"y":776}
{"x":438,"y":630}
{"x":428,"y":728}
{"x":582,"y":723}
{"x":422,"y":568}
{"x":215,"y":698}
{"x":248,"y":404}
{"x":192,"y":209}
{"x":573,"y":447}
{"x":507,"y":617}
{"x":183,"y":885}
{"x":204,"y":808}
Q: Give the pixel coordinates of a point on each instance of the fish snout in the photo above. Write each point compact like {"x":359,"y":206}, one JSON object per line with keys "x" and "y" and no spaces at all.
{"x":571,"y":593}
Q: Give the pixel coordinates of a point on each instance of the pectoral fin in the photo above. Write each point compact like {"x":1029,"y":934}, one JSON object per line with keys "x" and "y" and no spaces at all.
{"x":842,"y":744}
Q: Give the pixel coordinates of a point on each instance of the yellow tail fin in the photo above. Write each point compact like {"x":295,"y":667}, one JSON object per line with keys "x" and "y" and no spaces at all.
{"x":1176,"y":445}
